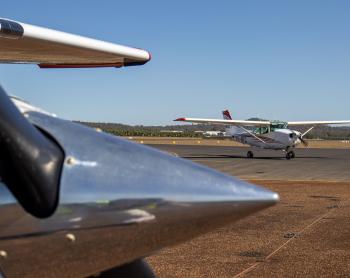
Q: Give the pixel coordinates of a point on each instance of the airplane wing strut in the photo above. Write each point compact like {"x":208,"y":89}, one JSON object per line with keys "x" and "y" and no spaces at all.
{"x":252,"y":134}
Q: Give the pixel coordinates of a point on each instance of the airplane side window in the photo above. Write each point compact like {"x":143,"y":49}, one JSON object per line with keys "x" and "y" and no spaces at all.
{"x":264,"y":130}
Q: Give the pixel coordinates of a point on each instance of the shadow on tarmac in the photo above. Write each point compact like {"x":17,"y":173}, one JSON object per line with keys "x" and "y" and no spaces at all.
{"x":208,"y":156}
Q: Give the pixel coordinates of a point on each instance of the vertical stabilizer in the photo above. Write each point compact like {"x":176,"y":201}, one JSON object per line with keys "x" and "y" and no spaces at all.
{"x":226,"y":115}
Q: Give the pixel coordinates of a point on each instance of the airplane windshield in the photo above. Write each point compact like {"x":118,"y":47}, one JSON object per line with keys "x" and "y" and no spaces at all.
{"x":278,"y":125}
{"x":261,"y":130}
{"x":272,"y":127}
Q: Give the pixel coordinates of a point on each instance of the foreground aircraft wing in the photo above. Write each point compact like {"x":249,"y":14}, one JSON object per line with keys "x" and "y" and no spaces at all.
{"x":77,"y":201}
{"x":24,"y":43}
{"x":319,"y":123}
{"x":223,"y":122}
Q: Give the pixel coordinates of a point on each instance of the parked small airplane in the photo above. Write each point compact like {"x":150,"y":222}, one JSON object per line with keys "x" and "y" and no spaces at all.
{"x":214,"y":133}
{"x":272,"y":135}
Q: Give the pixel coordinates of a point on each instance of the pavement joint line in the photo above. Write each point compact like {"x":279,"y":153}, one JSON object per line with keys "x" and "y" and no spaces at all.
{"x":252,"y":179}
{"x":250,"y":268}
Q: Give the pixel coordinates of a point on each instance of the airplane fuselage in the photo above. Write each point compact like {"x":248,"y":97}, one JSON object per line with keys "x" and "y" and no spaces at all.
{"x":279,"y":139}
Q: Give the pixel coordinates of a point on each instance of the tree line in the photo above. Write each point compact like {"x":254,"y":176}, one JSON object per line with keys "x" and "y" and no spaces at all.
{"x":319,"y":132}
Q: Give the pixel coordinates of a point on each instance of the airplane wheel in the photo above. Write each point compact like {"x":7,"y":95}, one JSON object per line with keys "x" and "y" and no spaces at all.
{"x":290,"y":155}
{"x":250,"y":154}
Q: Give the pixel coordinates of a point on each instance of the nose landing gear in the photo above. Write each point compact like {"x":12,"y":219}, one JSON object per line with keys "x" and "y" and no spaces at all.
{"x":290,"y":155}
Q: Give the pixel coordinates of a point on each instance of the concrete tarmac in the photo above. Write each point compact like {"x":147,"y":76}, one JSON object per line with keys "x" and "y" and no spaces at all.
{"x":307,"y":234}
{"x":309,"y":164}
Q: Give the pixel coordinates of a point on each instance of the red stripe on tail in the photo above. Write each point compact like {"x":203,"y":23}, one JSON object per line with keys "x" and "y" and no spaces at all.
{"x":226,"y":114}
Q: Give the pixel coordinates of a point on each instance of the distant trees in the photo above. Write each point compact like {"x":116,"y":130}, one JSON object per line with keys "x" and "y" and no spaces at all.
{"x":329,"y":133}
{"x":320,"y":132}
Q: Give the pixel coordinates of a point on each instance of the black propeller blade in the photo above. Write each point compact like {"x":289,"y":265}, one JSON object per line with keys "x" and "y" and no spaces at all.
{"x":30,"y":163}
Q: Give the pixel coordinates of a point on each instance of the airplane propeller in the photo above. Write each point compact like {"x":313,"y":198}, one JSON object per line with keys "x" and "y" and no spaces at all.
{"x":300,"y":136}
{"x":303,"y":141}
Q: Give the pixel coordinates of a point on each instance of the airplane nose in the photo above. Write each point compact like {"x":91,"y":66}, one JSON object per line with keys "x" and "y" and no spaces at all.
{"x":115,"y":168}
{"x":110,"y":168}
{"x":129,"y":200}
{"x":292,"y":135}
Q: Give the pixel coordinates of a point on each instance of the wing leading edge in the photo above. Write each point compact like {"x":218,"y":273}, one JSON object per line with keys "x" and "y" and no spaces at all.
{"x":24,"y":43}
{"x":255,"y":123}
{"x":319,"y":123}
{"x":223,"y":122}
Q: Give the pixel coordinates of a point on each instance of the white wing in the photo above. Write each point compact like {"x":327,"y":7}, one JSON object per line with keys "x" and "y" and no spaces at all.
{"x":24,"y":43}
{"x":319,"y":122}
{"x":223,"y":122}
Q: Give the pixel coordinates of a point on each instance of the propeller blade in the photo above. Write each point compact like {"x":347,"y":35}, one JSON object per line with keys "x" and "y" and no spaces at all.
{"x":303,"y":141}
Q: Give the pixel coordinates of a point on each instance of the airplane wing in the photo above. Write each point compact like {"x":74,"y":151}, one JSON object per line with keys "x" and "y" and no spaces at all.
{"x":319,"y":123}
{"x":223,"y":122}
{"x":24,"y":43}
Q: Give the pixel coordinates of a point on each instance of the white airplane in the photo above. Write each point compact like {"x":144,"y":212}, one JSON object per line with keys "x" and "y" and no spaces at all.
{"x":81,"y":202}
{"x":272,"y":135}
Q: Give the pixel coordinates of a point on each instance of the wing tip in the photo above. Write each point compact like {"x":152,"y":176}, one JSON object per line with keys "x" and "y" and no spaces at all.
{"x":149,"y":55}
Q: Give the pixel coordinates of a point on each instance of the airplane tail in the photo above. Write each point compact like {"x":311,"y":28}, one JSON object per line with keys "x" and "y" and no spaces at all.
{"x":226,"y":115}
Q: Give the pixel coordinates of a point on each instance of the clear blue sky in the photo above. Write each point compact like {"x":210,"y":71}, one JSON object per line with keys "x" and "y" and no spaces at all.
{"x":287,"y":60}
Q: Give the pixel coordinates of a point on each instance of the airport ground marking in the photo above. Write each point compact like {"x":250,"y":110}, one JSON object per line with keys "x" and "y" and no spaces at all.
{"x":266,"y":259}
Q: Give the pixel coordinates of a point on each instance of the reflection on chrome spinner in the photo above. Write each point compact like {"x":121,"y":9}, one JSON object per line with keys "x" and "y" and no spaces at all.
{"x":119,"y":201}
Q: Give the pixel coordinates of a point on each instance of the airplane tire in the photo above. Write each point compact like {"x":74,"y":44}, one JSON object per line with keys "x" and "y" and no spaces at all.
{"x":250,"y":154}
{"x":290,"y":155}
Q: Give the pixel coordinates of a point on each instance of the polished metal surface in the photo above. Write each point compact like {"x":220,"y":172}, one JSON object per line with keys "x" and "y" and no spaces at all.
{"x":118,"y":201}
{"x":10,"y":29}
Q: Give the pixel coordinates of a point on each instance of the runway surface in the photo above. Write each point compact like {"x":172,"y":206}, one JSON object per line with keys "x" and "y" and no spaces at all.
{"x":307,"y":234}
{"x":309,"y":164}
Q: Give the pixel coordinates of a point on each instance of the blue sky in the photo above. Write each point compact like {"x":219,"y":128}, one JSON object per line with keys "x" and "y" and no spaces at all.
{"x":287,"y":60}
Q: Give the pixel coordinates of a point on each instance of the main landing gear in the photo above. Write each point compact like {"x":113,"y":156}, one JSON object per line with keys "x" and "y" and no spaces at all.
{"x":289,"y":154}
{"x":250,"y":154}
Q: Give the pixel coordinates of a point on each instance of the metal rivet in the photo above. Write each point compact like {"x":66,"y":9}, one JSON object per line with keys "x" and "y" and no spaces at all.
{"x":70,"y":160}
{"x":3,"y":254}
{"x":70,"y":237}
